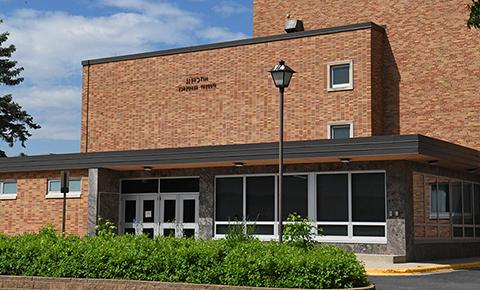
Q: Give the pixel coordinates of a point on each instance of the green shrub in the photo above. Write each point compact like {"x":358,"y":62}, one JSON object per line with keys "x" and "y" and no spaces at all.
{"x":299,"y":231}
{"x":247,"y":263}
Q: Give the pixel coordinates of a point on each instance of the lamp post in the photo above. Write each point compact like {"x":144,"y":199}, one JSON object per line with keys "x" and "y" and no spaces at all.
{"x":281,"y":75}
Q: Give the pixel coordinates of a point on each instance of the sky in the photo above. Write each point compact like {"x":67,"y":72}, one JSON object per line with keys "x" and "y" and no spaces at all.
{"x":52,"y":37}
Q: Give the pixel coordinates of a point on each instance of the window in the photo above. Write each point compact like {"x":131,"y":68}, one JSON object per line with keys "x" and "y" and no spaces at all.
{"x":54,"y":188}
{"x":439,"y":200}
{"x":140,"y":186}
{"x":340,"y":131}
{"x":344,"y":206}
{"x":340,"y":75}
{"x":8,"y":189}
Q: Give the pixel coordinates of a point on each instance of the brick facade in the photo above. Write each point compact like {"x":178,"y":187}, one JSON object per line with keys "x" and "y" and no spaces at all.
{"x":431,"y":59}
{"x":31,"y":210}
{"x":136,"y":104}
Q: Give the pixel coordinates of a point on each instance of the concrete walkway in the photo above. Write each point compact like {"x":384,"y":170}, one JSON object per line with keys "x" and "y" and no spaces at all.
{"x":383,"y":268}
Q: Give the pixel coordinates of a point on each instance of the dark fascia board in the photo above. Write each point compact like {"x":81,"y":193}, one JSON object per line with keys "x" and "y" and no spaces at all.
{"x":354,"y":147}
{"x":248,"y":41}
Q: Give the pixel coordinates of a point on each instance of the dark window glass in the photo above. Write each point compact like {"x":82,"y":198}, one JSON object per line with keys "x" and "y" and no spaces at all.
{"x":368,"y":197}
{"x":477,"y":204}
{"x":339,"y":131}
{"x":169,"y":211}
{"x":457,"y":232}
{"x":332,"y":230}
{"x":229,"y":199}
{"x":169,"y":232}
{"x":222,"y":229}
{"x":339,"y":74}
{"x":130,"y":211}
{"x":295,"y":195}
{"x":130,"y":231}
{"x":148,"y":211}
{"x":179,"y":185}
{"x":477,"y":232}
{"x":148,"y":233}
{"x":369,"y":231}
{"x":260,"y":198}
{"x":189,"y":211}
{"x":189,"y":233}
{"x":457,"y":203}
{"x":468,"y":203}
{"x":468,"y":232}
{"x":263,"y":230}
{"x":332,"y":197}
{"x":140,"y":186}
{"x":439,"y":200}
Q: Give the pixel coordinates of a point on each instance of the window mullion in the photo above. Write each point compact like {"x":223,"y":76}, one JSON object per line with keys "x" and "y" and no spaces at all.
{"x":350,"y":226}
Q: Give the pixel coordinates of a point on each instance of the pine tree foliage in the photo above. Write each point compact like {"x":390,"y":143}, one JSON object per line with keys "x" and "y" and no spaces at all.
{"x":474,"y":19}
{"x":15,"y":122}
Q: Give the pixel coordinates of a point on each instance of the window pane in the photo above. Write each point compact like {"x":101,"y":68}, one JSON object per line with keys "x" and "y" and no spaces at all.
{"x":54,"y":186}
{"x":468,"y":232}
{"x":260,"y":198}
{"x":332,"y":197}
{"x":332,"y":230}
{"x":169,"y":211}
{"x":340,"y":74}
{"x":148,"y":211}
{"x":189,"y":211}
{"x":439,"y":195}
{"x":140,"y":186}
{"x":169,"y":232}
{"x":339,"y":131}
{"x":189,"y":233}
{"x":130,"y":231}
{"x":229,"y":199}
{"x":477,"y":204}
{"x":130,"y":211}
{"x":369,"y":231}
{"x":9,"y":188}
{"x":295,"y":195}
{"x":457,"y":232}
{"x":433,"y":200}
{"x":467,"y":203}
{"x":74,"y":185}
{"x":368,"y":197}
{"x":148,"y":233}
{"x":263,"y":230}
{"x":179,"y":185}
{"x":457,"y":203}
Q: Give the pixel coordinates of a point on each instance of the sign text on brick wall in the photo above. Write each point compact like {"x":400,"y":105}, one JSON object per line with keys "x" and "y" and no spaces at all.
{"x":197,"y":83}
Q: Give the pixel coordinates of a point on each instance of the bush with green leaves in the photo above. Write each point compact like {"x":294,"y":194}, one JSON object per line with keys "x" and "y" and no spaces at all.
{"x":247,"y":263}
{"x":298,"y":231}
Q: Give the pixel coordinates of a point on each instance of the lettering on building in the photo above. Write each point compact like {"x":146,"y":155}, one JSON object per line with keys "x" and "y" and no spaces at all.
{"x":197,"y":83}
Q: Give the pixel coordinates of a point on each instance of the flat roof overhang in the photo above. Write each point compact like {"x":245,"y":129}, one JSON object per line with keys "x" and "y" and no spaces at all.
{"x":396,"y":147}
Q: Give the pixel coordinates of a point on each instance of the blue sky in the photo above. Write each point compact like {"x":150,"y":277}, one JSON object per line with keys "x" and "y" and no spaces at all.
{"x":53,"y":36}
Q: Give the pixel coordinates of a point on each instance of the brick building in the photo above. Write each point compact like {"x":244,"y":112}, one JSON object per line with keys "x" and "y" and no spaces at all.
{"x":381,"y":126}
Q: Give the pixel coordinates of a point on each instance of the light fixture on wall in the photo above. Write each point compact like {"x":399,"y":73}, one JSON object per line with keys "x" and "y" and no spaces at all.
{"x":472,"y":170}
{"x":238,"y":164}
{"x":147,"y":168}
{"x":433,"y":162}
{"x":345,"y":160}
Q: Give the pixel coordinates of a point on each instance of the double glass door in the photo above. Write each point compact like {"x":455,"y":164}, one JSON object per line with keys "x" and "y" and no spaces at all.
{"x":160,"y":214}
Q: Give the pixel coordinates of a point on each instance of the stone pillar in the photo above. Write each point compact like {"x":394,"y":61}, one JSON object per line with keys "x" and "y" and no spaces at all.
{"x":92,"y":201}
{"x":206,"y":198}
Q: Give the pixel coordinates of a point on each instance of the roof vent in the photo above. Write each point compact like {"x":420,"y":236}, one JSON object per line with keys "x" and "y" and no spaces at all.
{"x":293,"y":25}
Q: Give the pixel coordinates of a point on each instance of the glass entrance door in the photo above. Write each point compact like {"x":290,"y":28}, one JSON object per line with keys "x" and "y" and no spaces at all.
{"x":140,"y":214}
{"x":179,"y":216}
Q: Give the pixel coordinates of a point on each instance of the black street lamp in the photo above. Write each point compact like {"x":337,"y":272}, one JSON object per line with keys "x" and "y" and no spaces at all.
{"x":281,"y":75}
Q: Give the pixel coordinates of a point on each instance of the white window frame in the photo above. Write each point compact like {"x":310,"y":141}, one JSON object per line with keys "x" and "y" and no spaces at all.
{"x":341,"y":87}
{"x":312,"y":209}
{"x":58,"y":194}
{"x":7,"y":196}
{"x":339,"y":123}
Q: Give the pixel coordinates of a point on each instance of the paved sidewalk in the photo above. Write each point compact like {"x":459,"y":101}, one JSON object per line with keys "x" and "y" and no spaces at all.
{"x":378,"y":268}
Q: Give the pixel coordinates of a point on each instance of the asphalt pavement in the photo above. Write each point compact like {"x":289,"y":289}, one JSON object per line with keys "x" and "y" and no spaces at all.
{"x":453,"y":280}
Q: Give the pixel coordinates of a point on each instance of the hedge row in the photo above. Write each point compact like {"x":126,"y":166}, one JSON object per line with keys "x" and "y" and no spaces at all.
{"x":248,"y":263}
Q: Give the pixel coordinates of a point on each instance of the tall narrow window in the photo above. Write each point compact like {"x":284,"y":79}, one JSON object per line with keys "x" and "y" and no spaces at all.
{"x":295,"y":196}
{"x":229,"y":199}
{"x":439,"y":200}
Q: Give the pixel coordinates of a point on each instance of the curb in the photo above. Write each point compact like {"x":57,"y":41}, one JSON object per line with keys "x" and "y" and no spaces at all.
{"x":421,"y":269}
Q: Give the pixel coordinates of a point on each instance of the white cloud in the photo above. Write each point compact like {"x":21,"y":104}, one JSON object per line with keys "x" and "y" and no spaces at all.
{"x":227,"y":8}
{"x":51,"y":44}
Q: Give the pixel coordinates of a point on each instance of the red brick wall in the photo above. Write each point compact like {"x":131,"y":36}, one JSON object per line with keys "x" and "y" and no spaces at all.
{"x":136,"y":104}
{"x":31,"y":210}
{"x":431,"y":65}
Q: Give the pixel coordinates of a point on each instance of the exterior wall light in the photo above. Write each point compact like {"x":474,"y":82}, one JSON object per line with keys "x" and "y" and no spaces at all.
{"x":281,"y":75}
{"x":238,"y":164}
{"x":433,"y":162}
{"x":345,"y":160}
{"x":147,"y":168}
